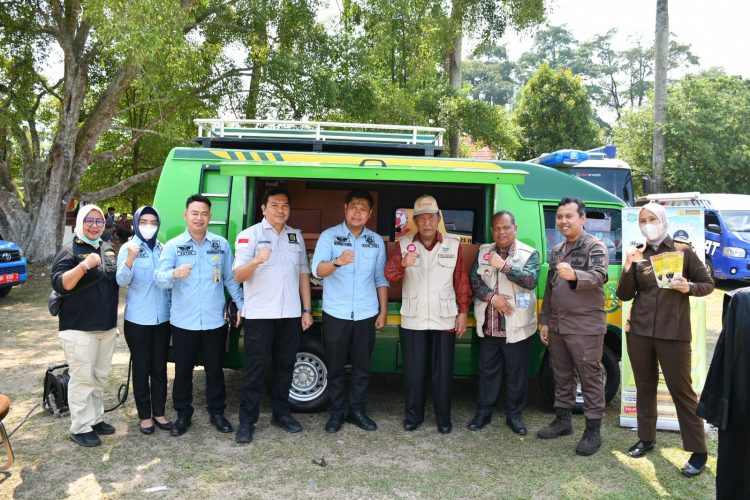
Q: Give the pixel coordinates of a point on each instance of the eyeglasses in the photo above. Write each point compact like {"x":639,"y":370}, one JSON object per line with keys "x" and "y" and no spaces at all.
{"x":145,"y":223}
{"x":90,"y":222}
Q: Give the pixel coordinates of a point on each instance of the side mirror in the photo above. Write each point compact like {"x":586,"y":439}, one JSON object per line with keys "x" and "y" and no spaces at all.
{"x":647,"y":187}
{"x":713,"y":228}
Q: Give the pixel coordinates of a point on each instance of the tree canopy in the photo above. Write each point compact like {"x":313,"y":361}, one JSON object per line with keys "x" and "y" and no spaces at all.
{"x":554,"y":112}
{"x":707,"y":134}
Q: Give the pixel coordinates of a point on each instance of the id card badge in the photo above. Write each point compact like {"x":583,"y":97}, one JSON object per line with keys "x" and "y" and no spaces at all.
{"x":217,"y":270}
{"x":523,"y":299}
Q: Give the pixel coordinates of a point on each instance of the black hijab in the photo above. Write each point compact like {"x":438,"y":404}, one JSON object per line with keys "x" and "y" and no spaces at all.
{"x":146,"y":210}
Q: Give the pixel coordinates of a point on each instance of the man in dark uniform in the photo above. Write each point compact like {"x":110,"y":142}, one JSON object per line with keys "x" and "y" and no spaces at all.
{"x":573,"y":324}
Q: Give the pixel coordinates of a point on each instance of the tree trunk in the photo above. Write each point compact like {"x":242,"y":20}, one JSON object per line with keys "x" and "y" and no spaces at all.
{"x":661,"y":48}
{"x":454,"y":75}
{"x":257,"y":64}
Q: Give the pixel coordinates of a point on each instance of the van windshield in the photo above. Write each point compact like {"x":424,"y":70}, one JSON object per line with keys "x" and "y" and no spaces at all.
{"x":617,"y":181}
{"x":737,"y":220}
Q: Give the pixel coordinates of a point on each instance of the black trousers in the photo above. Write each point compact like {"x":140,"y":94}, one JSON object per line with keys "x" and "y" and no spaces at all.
{"x":438,"y":347}
{"x":149,"y":345}
{"x":497,"y":358}
{"x":264,"y":338}
{"x":187,"y":344}
{"x":348,"y":339}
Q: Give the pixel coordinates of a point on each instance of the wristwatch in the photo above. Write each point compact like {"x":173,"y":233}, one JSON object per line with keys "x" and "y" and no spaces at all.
{"x":335,"y":262}
{"x":307,"y":311}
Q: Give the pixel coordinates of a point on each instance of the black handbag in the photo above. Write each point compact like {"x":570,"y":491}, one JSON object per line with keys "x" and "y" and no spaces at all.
{"x":54,"y":301}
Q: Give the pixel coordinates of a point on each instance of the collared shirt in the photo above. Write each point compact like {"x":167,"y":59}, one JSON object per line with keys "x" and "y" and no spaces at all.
{"x":91,"y":306}
{"x":146,"y":304}
{"x":395,"y":271}
{"x":198,"y":300}
{"x":577,"y":307}
{"x":663,"y":313}
{"x":350,"y":292}
{"x":525,"y":277}
{"x":273,"y":289}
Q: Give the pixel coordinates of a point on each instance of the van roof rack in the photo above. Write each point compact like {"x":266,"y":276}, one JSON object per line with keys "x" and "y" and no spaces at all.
{"x":332,"y":137}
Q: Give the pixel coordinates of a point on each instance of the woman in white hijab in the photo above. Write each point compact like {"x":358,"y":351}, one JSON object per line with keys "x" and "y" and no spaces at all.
{"x":660,"y":334}
{"x":83,"y":272}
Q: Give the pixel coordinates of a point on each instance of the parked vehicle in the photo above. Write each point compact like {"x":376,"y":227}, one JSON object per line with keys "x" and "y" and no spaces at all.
{"x":12,"y":266}
{"x":319,"y":162}
{"x":598,"y":166}
{"x":727,"y":229}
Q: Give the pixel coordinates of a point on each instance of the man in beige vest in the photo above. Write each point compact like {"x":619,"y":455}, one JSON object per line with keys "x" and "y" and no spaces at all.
{"x":503,"y":280}
{"x":435,"y":302}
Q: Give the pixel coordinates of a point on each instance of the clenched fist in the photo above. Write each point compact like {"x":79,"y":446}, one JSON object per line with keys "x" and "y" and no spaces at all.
{"x":182,"y":272}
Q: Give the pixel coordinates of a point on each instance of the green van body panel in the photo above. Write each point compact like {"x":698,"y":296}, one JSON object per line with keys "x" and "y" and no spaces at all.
{"x":228,"y":178}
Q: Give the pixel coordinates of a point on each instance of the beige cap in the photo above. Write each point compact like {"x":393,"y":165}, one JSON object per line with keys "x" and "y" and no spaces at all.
{"x":425,"y":204}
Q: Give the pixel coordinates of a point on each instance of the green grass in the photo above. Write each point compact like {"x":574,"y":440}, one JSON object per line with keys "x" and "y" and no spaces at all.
{"x":492,"y":463}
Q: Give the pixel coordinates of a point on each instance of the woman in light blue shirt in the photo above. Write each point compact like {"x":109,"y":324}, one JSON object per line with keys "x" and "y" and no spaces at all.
{"x":147,"y":330}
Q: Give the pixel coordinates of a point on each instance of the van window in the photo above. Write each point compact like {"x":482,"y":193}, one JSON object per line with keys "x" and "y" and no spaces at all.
{"x":604,"y":223}
{"x":736,"y":220}
{"x":711,"y":218}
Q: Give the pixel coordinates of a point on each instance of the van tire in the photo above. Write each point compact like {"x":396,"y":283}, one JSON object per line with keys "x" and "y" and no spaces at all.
{"x":611,"y":366}
{"x":309,"y":391}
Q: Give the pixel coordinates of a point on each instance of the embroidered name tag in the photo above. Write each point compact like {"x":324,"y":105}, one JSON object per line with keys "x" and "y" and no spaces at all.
{"x":185,"y":250}
{"x":370,"y":243}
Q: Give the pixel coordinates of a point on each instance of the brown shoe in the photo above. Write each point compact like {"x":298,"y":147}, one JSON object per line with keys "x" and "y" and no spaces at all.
{"x":560,"y":426}
{"x":591,"y":440}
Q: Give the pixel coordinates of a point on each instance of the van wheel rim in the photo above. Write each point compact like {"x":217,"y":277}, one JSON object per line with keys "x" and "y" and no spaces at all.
{"x":309,"y":379}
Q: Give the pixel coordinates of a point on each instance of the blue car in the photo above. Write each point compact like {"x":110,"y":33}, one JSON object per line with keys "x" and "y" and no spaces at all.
{"x":12,"y":266}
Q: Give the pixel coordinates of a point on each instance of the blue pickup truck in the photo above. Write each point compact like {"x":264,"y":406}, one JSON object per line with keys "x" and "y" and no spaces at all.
{"x":12,"y":266}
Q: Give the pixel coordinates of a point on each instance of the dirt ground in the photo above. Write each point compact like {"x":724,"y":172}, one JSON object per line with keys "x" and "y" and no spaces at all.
{"x":492,"y":463}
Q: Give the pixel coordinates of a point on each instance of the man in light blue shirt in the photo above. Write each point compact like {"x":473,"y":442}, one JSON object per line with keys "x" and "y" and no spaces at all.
{"x":197,"y":266}
{"x":351,"y":260}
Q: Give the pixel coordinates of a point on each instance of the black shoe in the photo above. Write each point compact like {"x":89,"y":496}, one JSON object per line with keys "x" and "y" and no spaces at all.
{"x":244,"y":433}
{"x":146,"y":430}
{"x":222,"y":424}
{"x":695,"y":465}
{"x":180,"y":426}
{"x":516,"y":425}
{"x":334,"y":423}
{"x":690,"y":471}
{"x":445,"y":428}
{"x":640,"y":448}
{"x":361,"y":420}
{"x":286,"y":422}
{"x":479,"y":421}
{"x":103,"y":428}
{"x":166,"y":427}
{"x":409,"y":426}
{"x":87,"y":439}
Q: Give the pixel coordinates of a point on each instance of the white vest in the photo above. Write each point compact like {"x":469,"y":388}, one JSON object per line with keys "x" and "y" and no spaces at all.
{"x":428,"y":298}
{"x":521,"y":324}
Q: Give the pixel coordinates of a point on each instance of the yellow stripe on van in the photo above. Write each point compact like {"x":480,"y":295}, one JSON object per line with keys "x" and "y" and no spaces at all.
{"x":222,"y":154}
{"x":400,"y":161}
{"x":240,"y":155}
{"x":255,"y":156}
